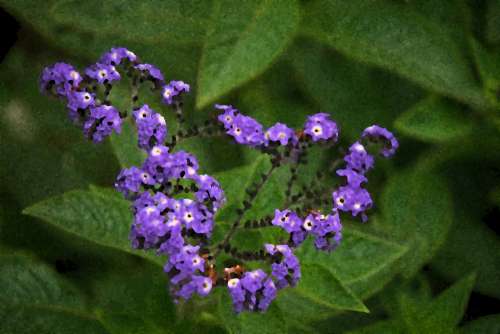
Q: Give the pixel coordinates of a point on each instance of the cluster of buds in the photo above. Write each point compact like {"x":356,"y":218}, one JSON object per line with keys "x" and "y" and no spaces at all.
{"x":175,"y":206}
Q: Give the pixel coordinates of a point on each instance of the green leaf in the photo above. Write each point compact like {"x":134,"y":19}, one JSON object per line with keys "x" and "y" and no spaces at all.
{"x":397,"y":38}
{"x":270,"y":322}
{"x":444,"y":312}
{"x":375,"y":260}
{"x":35,"y":300}
{"x":125,"y":146}
{"x":434,"y":120}
{"x":471,"y":245}
{"x":234,"y":181}
{"x":98,"y":215}
{"x":183,"y":21}
{"x":489,"y":324}
{"x":493,"y":22}
{"x":488,"y":66}
{"x":356,"y":95}
{"x":418,"y":314}
{"x":243,"y":39}
{"x":318,"y":295}
{"x":417,"y":212}
{"x":385,"y":326}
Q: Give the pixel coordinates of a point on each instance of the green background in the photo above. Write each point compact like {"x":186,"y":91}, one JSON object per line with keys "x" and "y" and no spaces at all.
{"x":427,"y":70}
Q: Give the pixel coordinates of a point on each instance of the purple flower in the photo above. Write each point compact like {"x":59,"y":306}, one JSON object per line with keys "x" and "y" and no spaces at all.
{"x":116,"y":55}
{"x":130,"y":180}
{"x":326,"y":230}
{"x":150,"y":70}
{"x":101,"y":122}
{"x":286,"y":269}
{"x":355,"y":200}
{"x":228,"y":116}
{"x":354,"y":179}
{"x":376,"y":132}
{"x":80,"y":100}
{"x":281,"y":133}
{"x":209,"y":190}
{"x":321,"y":127}
{"x":61,"y":77}
{"x":288,"y":220}
{"x":103,"y":73}
{"x":253,"y":292}
{"x":151,"y":127}
{"x":173,"y":89}
{"x":246,"y":131}
{"x":358,"y":159}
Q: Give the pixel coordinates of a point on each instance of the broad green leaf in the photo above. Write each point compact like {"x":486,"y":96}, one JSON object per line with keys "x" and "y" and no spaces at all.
{"x":125,"y":146}
{"x":95,"y":215}
{"x":243,"y":39}
{"x":395,"y":37}
{"x":385,"y":326}
{"x":443,"y":313}
{"x":417,"y":212}
{"x":355,"y":95}
{"x":271,"y":99}
{"x":434,"y":120}
{"x":234,"y":182}
{"x":493,"y":21}
{"x":471,"y":245}
{"x":132,"y":289}
{"x":421,"y":315}
{"x":35,"y":300}
{"x":489,"y":324}
{"x":167,"y":21}
{"x":375,"y":260}
{"x":270,"y":322}
{"x":488,"y":66}
{"x":117,"y":323}
{"x":318,"y":295}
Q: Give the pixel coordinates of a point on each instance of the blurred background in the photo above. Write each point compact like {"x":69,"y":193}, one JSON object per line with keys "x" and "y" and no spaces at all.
{"x":428,"y":260}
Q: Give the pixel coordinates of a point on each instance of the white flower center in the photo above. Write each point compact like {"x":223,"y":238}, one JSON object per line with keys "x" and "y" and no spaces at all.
{"x":357,"y":206}
{"x":167,"y":92}
{"x":156,"y":151}
{"x":233,"y":282}
{"x":74,"y":75}
{"x":103,"y":73}
{"x":317,"y":130}
{"x":308,"y":225}
{"x":188,"y":217}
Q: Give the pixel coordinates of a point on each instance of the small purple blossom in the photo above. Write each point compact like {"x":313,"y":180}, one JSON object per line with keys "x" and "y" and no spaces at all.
{"x":281,"y":133}
{"x":228,"y":116}
{"x":102,"y":121}
{"x":288,"y":220}
{"x":61,"y":77}
{"x":286,"y":269}
{"x":80,"y":100}
{"x":151,"y":127}
{"x":247,"y":131}
{"x":321,"y":127}
{"x":130,"y":180}
{"x":359,"y":159}
{"x":103,"y":73}
{"x":172,"y":90}
{"x":254,"y":291}
{"x":151,"y":71}
{"x":116,"y":55}
{"x":351,"y":199}
{"x":354,"y":179}
{"x":376,"y":132}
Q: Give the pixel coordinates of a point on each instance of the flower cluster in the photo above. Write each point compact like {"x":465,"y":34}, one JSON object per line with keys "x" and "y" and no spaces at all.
{"x":174,"y":205}
{"x":87,"y":94}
